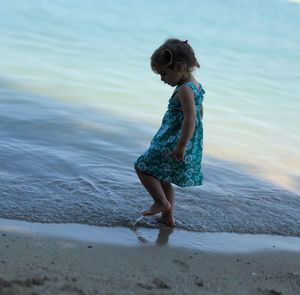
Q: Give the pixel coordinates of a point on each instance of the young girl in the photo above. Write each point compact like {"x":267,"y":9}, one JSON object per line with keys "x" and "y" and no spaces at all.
{"x":175,"y":152}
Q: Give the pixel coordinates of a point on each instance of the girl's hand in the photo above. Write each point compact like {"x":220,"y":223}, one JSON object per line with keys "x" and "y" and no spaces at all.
{"x":177,"y":154}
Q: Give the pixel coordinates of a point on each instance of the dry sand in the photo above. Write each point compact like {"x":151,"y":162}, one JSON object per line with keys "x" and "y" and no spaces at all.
{"x":32,"y":263}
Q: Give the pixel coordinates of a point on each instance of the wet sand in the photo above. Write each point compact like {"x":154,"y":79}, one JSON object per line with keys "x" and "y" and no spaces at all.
{"x":35,"y":263}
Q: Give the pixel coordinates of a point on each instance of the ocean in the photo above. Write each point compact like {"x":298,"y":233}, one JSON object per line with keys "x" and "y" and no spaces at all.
{"x":79,"y":103}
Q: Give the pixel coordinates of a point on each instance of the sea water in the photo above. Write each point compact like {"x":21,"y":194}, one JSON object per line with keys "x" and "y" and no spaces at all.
{"x":79,"y":103}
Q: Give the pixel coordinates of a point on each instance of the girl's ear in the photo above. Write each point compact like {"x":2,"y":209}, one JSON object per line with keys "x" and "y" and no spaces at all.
{"x":181,"y":67}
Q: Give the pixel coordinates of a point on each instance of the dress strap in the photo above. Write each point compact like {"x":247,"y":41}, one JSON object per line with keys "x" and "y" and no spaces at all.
{"x":197,"y":92}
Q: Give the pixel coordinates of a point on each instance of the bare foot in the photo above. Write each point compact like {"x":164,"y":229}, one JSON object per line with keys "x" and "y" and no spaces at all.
{"x":157,"y":207}
{"x":167,"y":218}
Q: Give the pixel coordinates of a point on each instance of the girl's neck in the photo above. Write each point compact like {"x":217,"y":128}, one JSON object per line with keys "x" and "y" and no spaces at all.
{"x":185,"y":78}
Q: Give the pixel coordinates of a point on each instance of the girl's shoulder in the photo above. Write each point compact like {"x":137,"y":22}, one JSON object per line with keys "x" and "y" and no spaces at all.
{"x":195,"y":86}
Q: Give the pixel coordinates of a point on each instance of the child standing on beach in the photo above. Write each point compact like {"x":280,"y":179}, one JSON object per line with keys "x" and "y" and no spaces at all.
{"x":175,"y":152}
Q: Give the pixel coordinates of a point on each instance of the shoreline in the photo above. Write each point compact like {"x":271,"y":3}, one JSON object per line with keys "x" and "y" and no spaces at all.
{"x":82,"y":259}
{"x":163,"y":236}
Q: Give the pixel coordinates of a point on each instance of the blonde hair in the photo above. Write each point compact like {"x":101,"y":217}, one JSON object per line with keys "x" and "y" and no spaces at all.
{"x":172,"y":52}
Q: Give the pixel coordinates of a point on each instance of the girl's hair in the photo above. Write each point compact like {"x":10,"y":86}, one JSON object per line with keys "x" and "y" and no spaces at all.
{"x":173,"y":51}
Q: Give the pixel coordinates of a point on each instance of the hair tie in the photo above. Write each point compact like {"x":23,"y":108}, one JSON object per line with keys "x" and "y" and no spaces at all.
{"x":171,"y":55}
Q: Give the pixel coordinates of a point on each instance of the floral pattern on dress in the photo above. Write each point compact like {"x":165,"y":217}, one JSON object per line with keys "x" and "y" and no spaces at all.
{"x":165,"y":168}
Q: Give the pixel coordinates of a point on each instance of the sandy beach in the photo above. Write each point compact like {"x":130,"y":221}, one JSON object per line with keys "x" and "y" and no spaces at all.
{"x":36,"y":263}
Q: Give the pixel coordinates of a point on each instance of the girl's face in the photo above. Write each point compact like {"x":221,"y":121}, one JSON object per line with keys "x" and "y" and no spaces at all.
{"x":169,"y":76}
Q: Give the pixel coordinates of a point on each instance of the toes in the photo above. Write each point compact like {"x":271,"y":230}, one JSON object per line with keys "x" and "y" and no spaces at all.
{"x":158,"y":207}
{"x":151,"y":212}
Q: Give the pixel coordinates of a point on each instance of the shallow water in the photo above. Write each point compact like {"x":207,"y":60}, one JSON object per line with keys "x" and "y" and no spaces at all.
{"x":79,"y":103}
{"x":69,"y":164}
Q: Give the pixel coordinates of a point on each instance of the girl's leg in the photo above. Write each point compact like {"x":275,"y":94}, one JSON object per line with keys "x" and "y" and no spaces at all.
{"x":153,"y":186}
{"x":167,"y":216}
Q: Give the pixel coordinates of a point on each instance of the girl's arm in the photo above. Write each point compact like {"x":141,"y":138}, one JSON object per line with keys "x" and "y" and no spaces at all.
{"x":201,"y":111}
{"x":186,"y":97}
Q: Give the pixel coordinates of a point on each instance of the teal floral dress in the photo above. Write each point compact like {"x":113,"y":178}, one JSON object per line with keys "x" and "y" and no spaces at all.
{"x":165,"y":168}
